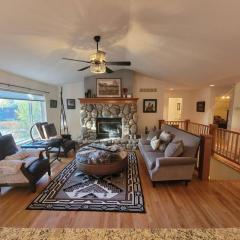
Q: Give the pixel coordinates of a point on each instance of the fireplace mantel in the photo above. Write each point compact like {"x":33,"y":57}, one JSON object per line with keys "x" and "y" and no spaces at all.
{"x":101,"y":100}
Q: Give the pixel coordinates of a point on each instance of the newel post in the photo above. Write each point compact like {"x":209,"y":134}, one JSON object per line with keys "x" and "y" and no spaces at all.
{"x":160,"y":123}
{"x":212,"y":132}
{"x":187,"y":121}
{"x":205,"y":157}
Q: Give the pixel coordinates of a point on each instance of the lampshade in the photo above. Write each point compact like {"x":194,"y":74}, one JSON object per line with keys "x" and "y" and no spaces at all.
{"x":99,"y":56}
{"x":98,"y":64}
{"x":98,"y":67}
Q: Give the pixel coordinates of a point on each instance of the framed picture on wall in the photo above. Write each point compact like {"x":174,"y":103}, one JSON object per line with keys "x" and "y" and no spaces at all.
{"x":53,"y":103}
{"x":149,"y":105}
{"x":200,"y":106}
{"x":108,"y":87}
{"x":71,"y":104}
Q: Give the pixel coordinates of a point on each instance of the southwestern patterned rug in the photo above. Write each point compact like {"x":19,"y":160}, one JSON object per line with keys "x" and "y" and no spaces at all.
{"x":72,"y":190}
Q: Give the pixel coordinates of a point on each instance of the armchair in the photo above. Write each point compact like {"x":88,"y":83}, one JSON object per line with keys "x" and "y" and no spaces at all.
{"x":47,"y":131}
{"x":20,"y":167}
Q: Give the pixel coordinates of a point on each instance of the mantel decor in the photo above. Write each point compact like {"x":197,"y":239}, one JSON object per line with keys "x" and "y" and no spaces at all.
{"x":108,"y":87}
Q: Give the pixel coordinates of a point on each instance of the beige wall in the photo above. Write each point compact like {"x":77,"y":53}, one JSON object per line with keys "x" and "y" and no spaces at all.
{"x":187,"y":104}
{"x":148,"y":119}
{"x":9,"y":78}
{"x":73,"y":91}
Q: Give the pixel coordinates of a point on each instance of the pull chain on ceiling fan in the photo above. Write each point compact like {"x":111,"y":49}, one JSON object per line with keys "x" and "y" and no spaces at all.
{"x":98,"y":63}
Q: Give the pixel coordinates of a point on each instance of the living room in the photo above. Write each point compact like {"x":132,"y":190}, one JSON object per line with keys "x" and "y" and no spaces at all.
{"x":119,"y":120}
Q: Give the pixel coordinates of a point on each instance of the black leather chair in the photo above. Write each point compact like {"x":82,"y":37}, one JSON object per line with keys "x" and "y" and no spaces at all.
{"x":20,"y":172}
{"x":47,"y":131}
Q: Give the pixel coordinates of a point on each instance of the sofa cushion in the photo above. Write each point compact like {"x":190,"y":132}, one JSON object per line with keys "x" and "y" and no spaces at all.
{"x":50,"y":131}
{"x":8,"y":146}
{"x":10,"y":167}
{"x":155,"y":143}
{"x":20,"y":155}
{"x":174,"y":149}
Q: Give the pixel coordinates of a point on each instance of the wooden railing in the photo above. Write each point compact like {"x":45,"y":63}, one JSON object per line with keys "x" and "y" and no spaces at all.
{"x":178,"y":124}
{"x":225,"y":143}
{"x":198,"y":129}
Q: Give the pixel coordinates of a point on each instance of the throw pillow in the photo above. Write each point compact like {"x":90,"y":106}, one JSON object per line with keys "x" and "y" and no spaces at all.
{"x":165,"y":137}
{"x":153,"y":133}
{"x":155,"y":143}
{"x":174,"y":149}
{"x":162,"y":146}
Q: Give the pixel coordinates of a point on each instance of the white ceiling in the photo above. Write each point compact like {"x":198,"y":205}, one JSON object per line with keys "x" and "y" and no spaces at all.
{"x":189,"y":43}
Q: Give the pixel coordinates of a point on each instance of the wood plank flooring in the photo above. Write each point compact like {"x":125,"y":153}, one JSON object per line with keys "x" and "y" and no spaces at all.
{"x":200,"y":204}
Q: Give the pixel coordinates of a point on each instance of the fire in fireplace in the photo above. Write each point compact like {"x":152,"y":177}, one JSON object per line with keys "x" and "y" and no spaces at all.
{"x":109,"y":127}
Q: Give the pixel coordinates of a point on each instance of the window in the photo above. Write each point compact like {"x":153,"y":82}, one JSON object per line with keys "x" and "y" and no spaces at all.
{"x":18,"y":112}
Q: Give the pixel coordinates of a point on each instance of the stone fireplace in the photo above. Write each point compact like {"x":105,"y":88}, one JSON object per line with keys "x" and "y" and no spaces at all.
{"x":108,"y":117}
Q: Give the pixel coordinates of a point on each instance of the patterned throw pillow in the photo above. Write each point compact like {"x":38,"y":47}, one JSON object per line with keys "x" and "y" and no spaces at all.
{"x":162,"y":146}
{"x":174,"y":149}
{"x":165,"y":137}
{"x":155,"y":143}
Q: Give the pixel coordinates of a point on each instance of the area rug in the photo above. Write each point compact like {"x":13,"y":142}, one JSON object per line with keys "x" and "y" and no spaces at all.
{"x":118,"y":234}
{"x":72,"y":190}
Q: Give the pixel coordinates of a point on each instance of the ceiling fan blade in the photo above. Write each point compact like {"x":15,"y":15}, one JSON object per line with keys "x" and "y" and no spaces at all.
{"x":123,"y":63}
{"x":75,"y":60}
{"x":81,"y":69}
{"x":108,"y":70}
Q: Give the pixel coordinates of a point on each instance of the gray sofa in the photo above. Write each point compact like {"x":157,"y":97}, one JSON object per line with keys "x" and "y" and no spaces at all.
{"x":161,"y":168}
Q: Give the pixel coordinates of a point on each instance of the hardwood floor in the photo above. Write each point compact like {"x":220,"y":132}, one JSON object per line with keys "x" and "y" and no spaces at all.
{"x":200,"y":204}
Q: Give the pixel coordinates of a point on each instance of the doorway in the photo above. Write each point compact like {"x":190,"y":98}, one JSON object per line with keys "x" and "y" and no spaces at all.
{"x":221,"y":111}
{"x":174,"y":109}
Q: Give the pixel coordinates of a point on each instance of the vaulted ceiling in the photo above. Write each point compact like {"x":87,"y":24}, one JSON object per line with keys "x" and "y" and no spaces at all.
{"x":188,"y":43}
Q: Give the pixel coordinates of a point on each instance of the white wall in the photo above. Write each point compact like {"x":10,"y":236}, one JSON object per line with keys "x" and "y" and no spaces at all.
{"x":206,"y":117}
{"x":53,"y":113}
{"x":148,"y":119}
{"x":73,"y":91}
{"x":191,"y":97}
{"x":187,"y":103}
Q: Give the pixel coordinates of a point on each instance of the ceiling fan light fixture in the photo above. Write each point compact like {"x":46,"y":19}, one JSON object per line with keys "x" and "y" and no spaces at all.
{"x":98,"y":67}
{"x":99,"y":56}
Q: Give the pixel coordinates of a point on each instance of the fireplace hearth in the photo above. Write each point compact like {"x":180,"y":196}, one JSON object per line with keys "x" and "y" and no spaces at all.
{"x":108,"y":127}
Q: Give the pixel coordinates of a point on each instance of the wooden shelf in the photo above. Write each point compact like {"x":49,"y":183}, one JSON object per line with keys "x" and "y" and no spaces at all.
{"x":108,"y":100}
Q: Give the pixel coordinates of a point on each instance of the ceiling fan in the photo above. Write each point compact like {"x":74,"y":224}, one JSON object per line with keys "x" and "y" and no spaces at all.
{"x":98,"y":63}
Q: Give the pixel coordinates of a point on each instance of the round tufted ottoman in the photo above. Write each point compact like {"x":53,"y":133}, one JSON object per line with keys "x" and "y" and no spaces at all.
{"x":98,"y":162}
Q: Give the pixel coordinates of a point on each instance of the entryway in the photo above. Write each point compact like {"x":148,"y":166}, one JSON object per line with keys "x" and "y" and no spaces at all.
{"x":174,"y":109}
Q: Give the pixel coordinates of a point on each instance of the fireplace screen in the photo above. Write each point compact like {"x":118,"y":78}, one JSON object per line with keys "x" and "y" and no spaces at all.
{"x":109,"y":127}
